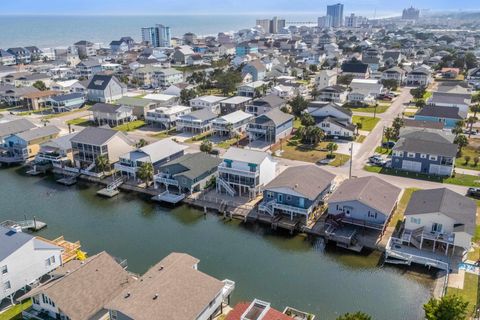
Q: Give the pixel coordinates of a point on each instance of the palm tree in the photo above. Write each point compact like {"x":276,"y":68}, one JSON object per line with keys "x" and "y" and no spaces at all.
{"x":471,"y":121}
{"x":332,"y":147}
{"x":475,"y":109}
{"x":359,"y":127}
{"x":145,"y":172}
{"x":229,"y":127}
{"x":142,"y":143}
{"x":462,"y":142}
{"x":458,"y":128}
{"x":102,"y":163}
{"x":389,"y":135}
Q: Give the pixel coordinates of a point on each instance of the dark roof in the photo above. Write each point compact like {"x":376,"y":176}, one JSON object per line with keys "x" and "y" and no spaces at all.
{"x":422,"y":124}
{"x":355,"y":67}
{"x":271,"y":100}
{"x":105,"y":107}
{"x":440,"y":112}
{"x":426,"y":142}
{"x":100,"y":82}
{"x":202,"y":114}
{"x":309,"y":180}
{"x":95,"y":136}
{"x":321,"y":104}
{"x":195,"y":164}
{"x":456,"y":206}
{"x":449,"y":98}
{"x":68,"y":96}
{"x":83,"y":43}
{"x":347,"y":126}
{"x":116,"y":42}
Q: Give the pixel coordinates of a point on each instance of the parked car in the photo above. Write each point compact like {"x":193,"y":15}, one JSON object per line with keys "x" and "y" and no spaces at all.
{"x":376,"y":160}
{"x":215,"y":152}
{"x":388,"y":144}
{"x":473,"y":192}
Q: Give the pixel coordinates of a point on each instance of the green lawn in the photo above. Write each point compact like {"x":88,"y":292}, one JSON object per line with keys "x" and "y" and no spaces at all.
{"x":459,"y":179}
{"x":295,"y":150}
{"x":472,"y":153}
{"x":382,"y":107}
{"x":382,"y":150}
{"x":199,"y":137}
{"x":225,"y":144}
{"x":15,"y":311}
{"x":130,"y":126}
{"x":469,"y":291}
{"x":80,"y":122}
{"x":29,"y":112}
{"x":402,"y":205}
{"x":368,"y":123}
{"x":164,"y":134}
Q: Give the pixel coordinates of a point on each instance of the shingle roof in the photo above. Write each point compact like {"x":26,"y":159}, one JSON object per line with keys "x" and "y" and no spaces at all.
{"x":95,"y":136}
{"x":202,"y":114}
{"x":245,"y":155}
{"x":240,"y":308}
{"x":355,"y":67}
{"x":456,"y":206}
{"x":426,"y":142}
{"x":107,"y":108}
{"x":440,"y":112}
{"x":371,"y":191}
{"x":450,"y":98}
{"x":195,"y":164}
{"x":277,"y":116}
{"x":101,"y":81}
{"x":85,"y":287}
{"x":172,"y":289}
{"x":308,"y":180}
{"x":15,"y":126}
{"x":68,"y":96}
{"x":37,"y":133}
{"x":422,"y":124}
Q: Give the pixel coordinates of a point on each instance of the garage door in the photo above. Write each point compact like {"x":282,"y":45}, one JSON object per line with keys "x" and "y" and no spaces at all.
{"x":412,"y":166}
{"x":440,"y":170}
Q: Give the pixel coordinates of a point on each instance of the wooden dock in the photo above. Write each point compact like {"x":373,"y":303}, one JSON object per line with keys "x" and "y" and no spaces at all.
{"x":67,"y":181}
{"x":169,"y":197}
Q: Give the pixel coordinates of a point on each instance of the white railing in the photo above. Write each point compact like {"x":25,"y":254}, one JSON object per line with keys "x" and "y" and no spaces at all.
{"x":226,"y":186}
{"x":228,"y":287}
{"x":287,"y":207}
{"x":222,"y":168}
{"x":121,"y":167}
{"x":164,"y":180}
{"x":256,"y":129}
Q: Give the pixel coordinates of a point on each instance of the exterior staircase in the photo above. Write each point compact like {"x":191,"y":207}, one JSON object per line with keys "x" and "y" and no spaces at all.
{"x":115,"y":184}
{"x":228,"y":189}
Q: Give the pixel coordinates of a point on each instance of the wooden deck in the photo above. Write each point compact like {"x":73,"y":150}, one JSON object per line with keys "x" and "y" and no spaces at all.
{"x":70,"y":249}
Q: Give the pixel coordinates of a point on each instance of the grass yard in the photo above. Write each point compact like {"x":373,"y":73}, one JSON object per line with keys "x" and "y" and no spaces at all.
{"x":199,"y":137}
{"x":29,"y":112}
{"x":62,"y":114}
{"x":294,"y":150}
{"x":472,"y":153}
{"x":382,"y":150}
{"x":459,"y":179}
{"x":15,"y":312}
{"x":368,"y":123}
{"x":225,"y":144}
{"x":164,"y":134}
{"x":469,"y":291}
{"x":402,"y":206}
{"x":382,"y":107}
{"x":80,"y":122}
{"x":130,"y":126}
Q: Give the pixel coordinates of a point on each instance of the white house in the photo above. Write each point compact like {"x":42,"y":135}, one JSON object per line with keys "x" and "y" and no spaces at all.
{"x":105,"y":88}
{"x":211,"y":103}
{"x":321,"y":110}
{"x":243,"y":172}
{"x":364,"y":91}
{"x":235,"y":122}
{"x":336,"y":128}
{"x":248,"y":89}
{"x":440,"y":217}
{"x":166,"y":116}
{"x":326,"y":78}
{"x":421,"y":76}
{"x":24,"y":259}
{"x":111,"y":114}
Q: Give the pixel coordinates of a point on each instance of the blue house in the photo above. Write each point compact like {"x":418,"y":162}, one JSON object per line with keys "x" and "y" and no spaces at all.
{"x":297,"y":192}
{"x":449,"y":116}
{"x":244,"y":48}
{"x":271,"y":126}
{"x":67,"y":102}
{"x":425,"y":151}
{"x":256,"y":69}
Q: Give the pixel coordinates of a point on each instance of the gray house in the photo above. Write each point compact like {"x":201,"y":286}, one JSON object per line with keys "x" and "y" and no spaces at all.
{"x":297,"y":192}
{"x":427,"y":151}
{"x":105,"y":88}
{"x":367,"y":202}
{"x":188,"y":173}
{"x":271,"y":126}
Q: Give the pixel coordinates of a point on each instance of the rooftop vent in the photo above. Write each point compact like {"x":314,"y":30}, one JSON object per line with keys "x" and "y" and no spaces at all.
{"x":127,"y":295}
{"x":155,"y":296}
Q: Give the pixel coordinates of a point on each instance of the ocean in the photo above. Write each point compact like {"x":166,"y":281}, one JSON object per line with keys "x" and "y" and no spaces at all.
{"x":53,"y":31}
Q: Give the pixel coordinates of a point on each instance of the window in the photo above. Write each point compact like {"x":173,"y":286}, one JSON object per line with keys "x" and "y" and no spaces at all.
{"x":423,"y":155}
{"x":4,"y":269}
{"x":50,"y":261}
{"x":113,"y":314}
{"x":372,"y":215}
{"x":415,"y":220}
{"x":289,"y":198}
{"x":7,"y":285}
{"x":35,"y":300}
{"x":411,"y":155}
{"x":433,"y":158}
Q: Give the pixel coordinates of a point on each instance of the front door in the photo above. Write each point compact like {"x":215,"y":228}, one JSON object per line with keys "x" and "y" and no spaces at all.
{"x":437,"y":227}
{"x":280,"y":198}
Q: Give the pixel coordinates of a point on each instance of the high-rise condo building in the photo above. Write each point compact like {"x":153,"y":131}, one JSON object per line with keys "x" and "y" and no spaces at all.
{"x":158,"y":36}
{"x":335,"y":12}
{"x":411,"y":14}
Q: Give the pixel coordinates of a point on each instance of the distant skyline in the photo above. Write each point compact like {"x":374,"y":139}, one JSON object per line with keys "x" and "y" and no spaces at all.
{"x":162,"y":7}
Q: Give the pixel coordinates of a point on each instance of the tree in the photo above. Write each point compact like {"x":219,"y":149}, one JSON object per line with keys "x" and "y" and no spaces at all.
{"x":332,"y":146}
{"x":311,"y":135}
{"x":355,"y":316}
{"x":458,"y":129}
{"x":467,"y":159}
{"x":391,"y":84}
{"x":186,"y":95}
{"x":313,"y":68}
{"x":102,"y":163}
{"x":397,"y":125}
{"x":420,"y":103}
{"x":389,"y":135}
{"x":307,"y":120}
{"x":314,"y":93}
{"x":298,"y":105}
{"x":359,"y":126}
{"x":462,"y":142}
{"x":145,"y":173}
{"x":206,"y":146}
{"x":227,"y":80}
{"x":142,"y":143}
{"x":449,"y":307}
{"x":419,"y":92}
{"x":475,"y":161}
{"x":345,"y":79}
{"x":40,"y":85}
{"x":471,"y":121}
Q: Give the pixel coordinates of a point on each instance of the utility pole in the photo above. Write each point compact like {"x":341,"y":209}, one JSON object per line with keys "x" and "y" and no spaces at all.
{"x":351,"y":161}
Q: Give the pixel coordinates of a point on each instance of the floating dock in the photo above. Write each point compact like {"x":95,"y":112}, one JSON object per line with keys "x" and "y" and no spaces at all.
{"x":107,"y":192}
{"x":30,"y":225}
{"x":67,"y":181}
{"x":169,"y":197}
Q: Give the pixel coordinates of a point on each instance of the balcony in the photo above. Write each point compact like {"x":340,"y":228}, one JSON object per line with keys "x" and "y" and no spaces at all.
{"x":257,"y":129}
{"x":228,"y":287}
{"x":125,"y":168}
{"x":289,"y":208}
{"x":165,"y":179}
{"x":222,"y":168}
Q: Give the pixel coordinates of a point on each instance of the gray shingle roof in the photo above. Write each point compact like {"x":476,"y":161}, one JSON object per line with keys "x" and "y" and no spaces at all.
{"x":308,"y":180}
{"x":456,"y":206}
{"x":277,"y":116}
{"x":11,"y":241}
{"x":426,"y":142}
{"x":202,"y":114}
{"x":37,"y":133}
{"x":95,"y":136}
{"x":195,"y":164}
{"x":440,"y":112}
{"x":15,"y":126}
{"x":371,"y":191}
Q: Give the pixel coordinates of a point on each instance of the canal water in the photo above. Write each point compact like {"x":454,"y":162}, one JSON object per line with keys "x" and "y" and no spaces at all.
{"x":271,"y":266}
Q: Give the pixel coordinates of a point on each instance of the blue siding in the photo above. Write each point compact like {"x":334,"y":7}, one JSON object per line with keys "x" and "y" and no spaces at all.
{"x":287,"y":199}
{"x":448,"y":123}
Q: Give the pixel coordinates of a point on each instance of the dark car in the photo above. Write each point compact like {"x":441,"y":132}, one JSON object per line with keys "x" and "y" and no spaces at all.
{"x":473,"y":192}
{"x":388,"y":144}
{"x":215,"y":152}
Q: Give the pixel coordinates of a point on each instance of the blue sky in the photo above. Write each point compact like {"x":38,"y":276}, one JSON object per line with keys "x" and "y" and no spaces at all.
{"x":159,"y":7}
